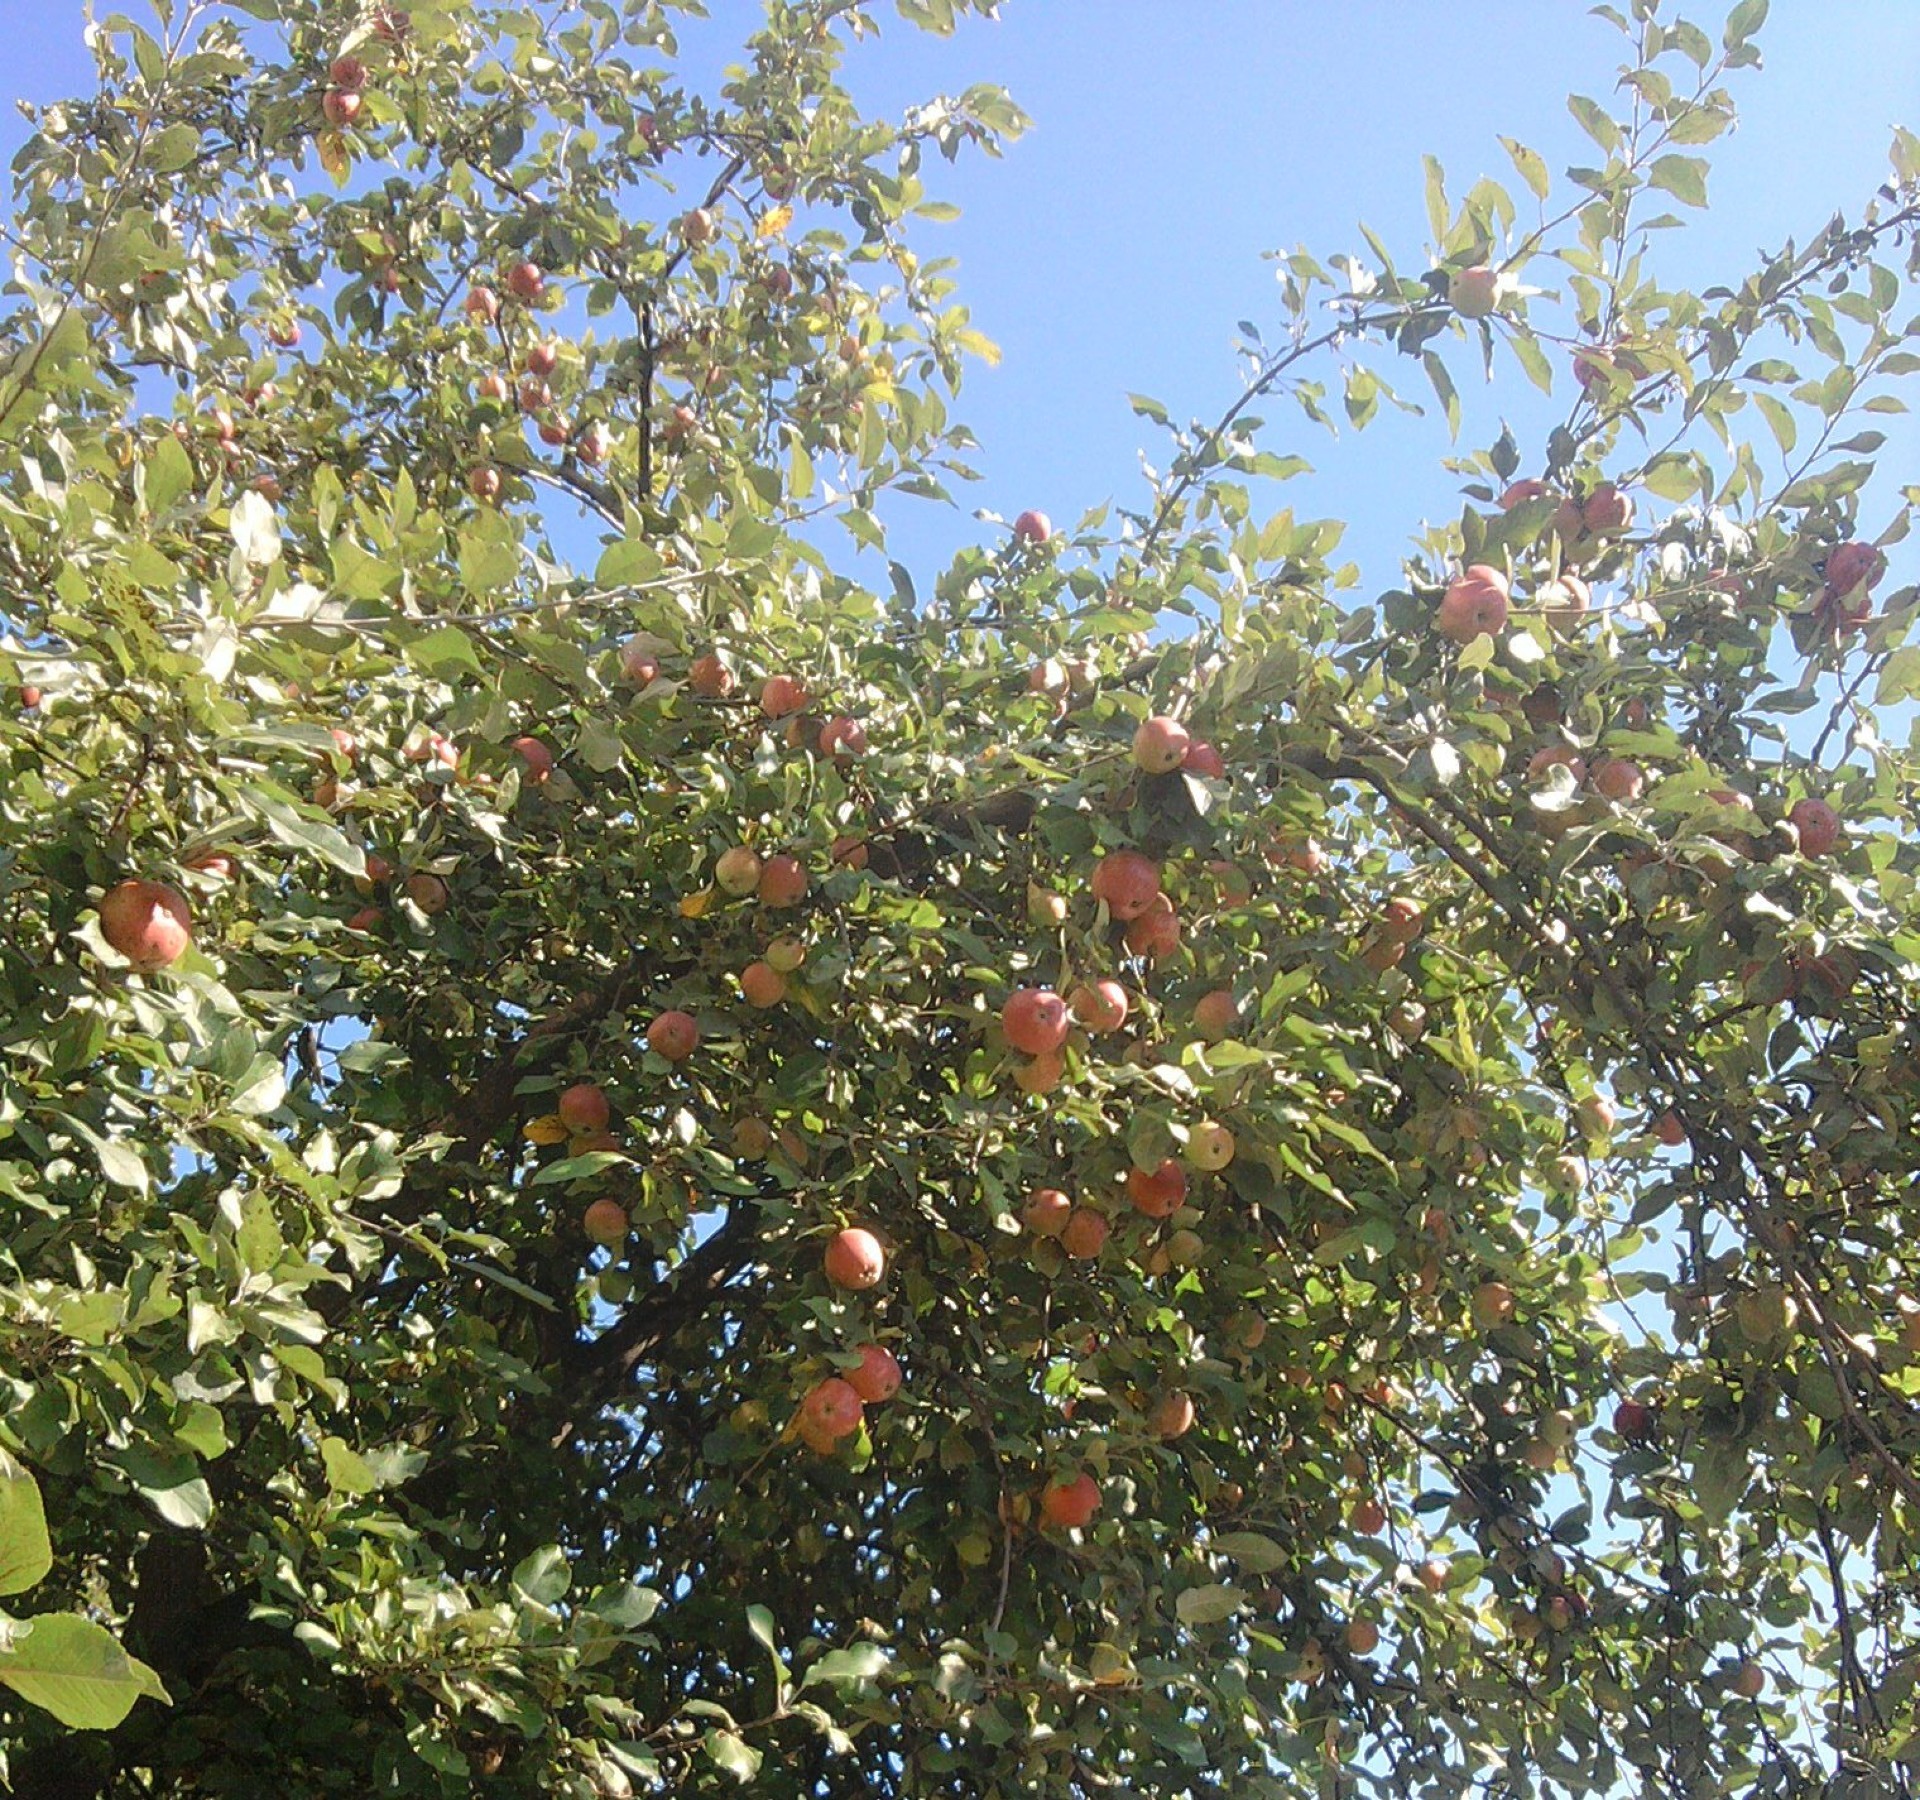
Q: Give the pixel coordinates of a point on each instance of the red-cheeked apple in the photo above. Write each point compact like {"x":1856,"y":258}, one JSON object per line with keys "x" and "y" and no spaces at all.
{"x":1158,"y":1192}
{"x":1101,"y":1006}
{"x":1033,"y":527}
{"x":1070,"y":1504}
{"x":1474,"y":605}
{"x":674,"y":1035}
{"x":147,"y":922}
{"x":1159,"y":744}
{"x":1127,"y":882}
{"x":605,"y":1222}
{"x":877,"y":1378}
{"x":854,"y":1259}
{"x":1817,"y":825}
{"x":1035,"y":1020}
{"x":583,"y":1108}
{"x":1046,"y":1212}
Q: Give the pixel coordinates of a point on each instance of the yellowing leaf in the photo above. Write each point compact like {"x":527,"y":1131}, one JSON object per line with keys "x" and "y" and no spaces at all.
{"x":547,"y":1129}
{"x":772,"y":224}
{"x":334,"y":156}
{"x":694,"y":905}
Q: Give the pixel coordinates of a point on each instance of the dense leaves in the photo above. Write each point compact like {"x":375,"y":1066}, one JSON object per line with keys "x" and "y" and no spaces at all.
{"x":1115,"y":1169}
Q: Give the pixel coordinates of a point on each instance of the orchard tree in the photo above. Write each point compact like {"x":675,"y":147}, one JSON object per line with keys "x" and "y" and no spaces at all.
{"x":631,"y":1166}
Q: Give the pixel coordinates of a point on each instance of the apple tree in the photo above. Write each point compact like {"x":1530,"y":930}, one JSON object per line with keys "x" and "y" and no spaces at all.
{"x":636,"y":1161}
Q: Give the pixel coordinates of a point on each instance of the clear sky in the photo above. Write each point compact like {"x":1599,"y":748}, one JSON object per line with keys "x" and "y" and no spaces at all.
{"x":1176,"y":140}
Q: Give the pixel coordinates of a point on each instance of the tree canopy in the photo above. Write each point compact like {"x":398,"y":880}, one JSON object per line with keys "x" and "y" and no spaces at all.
{"x":637,"y":1162}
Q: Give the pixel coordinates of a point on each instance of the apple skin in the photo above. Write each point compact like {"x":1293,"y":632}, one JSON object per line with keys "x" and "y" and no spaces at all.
{"x":347,"y":72}
{"x":697,"y":227}
{"x":1158,"y":1192}
{"x":1216,"y":1014}
{"x":1172,"y":1415}
{"x":1033,"y":527}
{"x":1564,"y":601}
{"x":1046,"y":1212}
{"x":1474,"y":605}
{"x":1368,"y":1518}
{"x":1128,"y":883}
{"x":1817,"y":824}
{"x":781,"y":695}
{"x":785,"y":954}
{"x":1210,"y":1146}
{"x":783,"y":882}
{"x":1070,"y":1505}
{"x":1747,"y":1681}
{"x":341,"y":106}
{"x":1035,"y":1021}
{"x":537,"y":757}
{"x":1160,"y":744}
{"x":1155,"y":935}
{"x":605,"y":1222}
{"x":1085,"y":1233}
{"x":543,"y":359}
{"x":147,"y":922}
{"x":737,"y":871}
{"x":832,"y":1408}
{"x":1634,"y":1421}
{"x":1101,"y":1006}
{"x":526,"y":281}
{"x":368,"y":918}
{"x":854,"y":1259}
{"x":638,"y":663}
{"x":1475,"y":293}
{"x":674,"y":1035}
{"x":878,"y":1377}
{"x":1362,"y":1637}
{"x":428,"y":892}
{"x":1606,"y":510}
{"x":1204,"y":760}
{"x":583,"y":1108}
{"x":1851,"y":566}
{"x":1529,"y":488}
{"x":1492,"y":1305}
{"x":484,"y":483}
{"x":1670,"y":1129}
{"x":1401,"y":920}
{"x":842,"y":736}
{"x":762,"y":985}
{"x":1619,"y":780}
{"x":482,"y":304}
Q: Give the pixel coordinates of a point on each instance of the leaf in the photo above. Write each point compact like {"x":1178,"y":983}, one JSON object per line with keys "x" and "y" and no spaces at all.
{"x":1208,"y":1605}
{"x":326,"y":841}
{"x":850,"y":1667}
{"x":445,"y":652}
{"x":1684,"y":177}
{"x":732,"y":1753}
{"x":1532,"y":166}
{"x":26,"y":1552}
{"x":77,"y":1671}
{"x":347,"y":1470}
{"x":1254,"y":1552}
{"x":256,"y":532}
{"x":543,"y":1575}
{"x":1743,"y":22}
{"x":169,"y":473}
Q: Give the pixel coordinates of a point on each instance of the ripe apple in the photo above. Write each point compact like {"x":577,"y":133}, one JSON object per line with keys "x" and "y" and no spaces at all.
{"x":1216,"y":1014}
{"x":832,"y":1408}
{"x":1853,"y":566}
{"x":1368,"y":1517}
{"x":1566,"y":1175}
{"x":1474,"y":605}
{"x":526,"y":281}
{"x":1159,"y":1192}
{"x":1172,"y":1415}
{"x":1210,"y":1146}
{"x":737,"y":871}
{"x":674,"y":1035}
{"x":30,"y":698}
{"x":1101,"y":1006}
{"x":1817,"y":824}
{"x":1492,"y":1305}
{"x":1563,"y":601}
{"x":878,"y":1376}
{"x":1634,"y":1421}
{"x":1070,"y":1504}
{"x":543,"y":358}
{"x":366,"y":919}
{"x":147,"y":922}
{"x":1606,"y":510}
{"x":1046,"y":1212}
{"x":536,"y":756}
{"x":484,"y":483}
{"x":854,"y":1259}
{"x":1433,"y":1574}
{"x":1475,"y":293}
{"x":482,"y":304}
{"x":1748,"y":1680}
{"x":709,"y":677}
{"x":1049,"y":678}
{"x":341,"y":106}
{"x":697,"y":227}
{"x":1033,"y":528}
{"x":842,"y":736}
{"x":781,"y":695}
{"x":785,"y":954}
{"x":583,"y":1108}
{"x":494,"y":387}
{"x":783,"y":882}
{"x":1595,"y":1116}
{"x":1530,"y":488}
{"x":1204,"y":760}
{"x":1127,"y":882}
{"x":534,"y":397}
{"x":1155,"y":934}
{"x":1085,"y":1233}
{"x":1035,"y":1020}
{"x":762,"y":985}
{"x":347,"y":72}
{"x":1618,"y":779}
{"x":638,"y":664}
{"x":1362,"y":1637}
{"x":1159,"y":744}
{"x":216,"y":865}
{"x":1401,"y":920}
{"x":605,"y":1222}
{"x":428,"y":892}
{"x":850,"y":852}
{"x":593,"y":445}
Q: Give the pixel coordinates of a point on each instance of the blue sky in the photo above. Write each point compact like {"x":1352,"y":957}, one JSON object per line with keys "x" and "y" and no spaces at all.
{"x":1174,"y":143}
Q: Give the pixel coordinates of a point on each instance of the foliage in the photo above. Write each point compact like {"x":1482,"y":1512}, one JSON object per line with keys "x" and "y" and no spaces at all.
{"x":1545,"y":1317}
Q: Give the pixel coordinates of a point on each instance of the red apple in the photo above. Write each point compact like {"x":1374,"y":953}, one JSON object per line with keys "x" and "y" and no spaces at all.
{"x":484,"y":483}
{"x":783,"y":882}
{"x":1101,"y":1006}
{"x":854,"y":1259}
{"x":1618,"y":779}
{"x":842,"y":736}
{"x":543,"y":358}
{"x":638,"y":663}
{"x":1492,"y":1304}
{"x":147,"y":922}
{"x":1817,"y":824}
{"x":217,"y":865}
{"x":1401,"y":920}
{"x":878,"y":1377}
{"x":537,"y":757}
{"x":341,"y":106}
{"x":697,"y":227}
{"x":1049,"y":678}
{"x":762,"y":985}
{"x":1085,"y":1233}
{"x":526,"y":281}
{"x":1127,"y":881}
{"x":1035,"y":1021}
{"x":1852,"y":566}
{"x":1216,"y":1014}
{"x":833,"y":1408}
{"x":1634,"y":1421}
{"x":366,"y":919}
{"x":1070,"y":1504}
{"x":1474,"y":605}
{"x":1670,"y":1130}
{"x":1522,"y":491}
{"x":1155,"y":934}
{"x":482,"y":304}
{"x":1368,"y":1518}
{"x":593,"y":445}
{"x":347,"y":72}
{"x":1046,"y":1212}
{"x":1159,"y":1192}
{"x":1606,"y":510}
{"x":1747,"y":1680}
{"x":674,"y":1035}
{"x":781,"y":695}
{"x":1172,"y":1415}
{"x":1204,"y":760}
{"x":1160,"y":744}
{"x":583,"y":1108}
{"x":1033,"y":528}
{"x":605,"y":1222}
{"x":495,"y":387}
{"x":709,"y":677}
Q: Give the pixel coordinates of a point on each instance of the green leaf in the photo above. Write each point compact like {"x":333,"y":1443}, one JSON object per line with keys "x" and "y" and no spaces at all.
{"x":347,"y":1470}
{"x":851,"y":1667}
{"x":1743,"y":22}
{"x":1208,"y":1605}
{"x":1257,"y":1554}
{"x":1531,"y":165}
{"x":169,"y":473}
{"x":76,"y":1670}
{"x":543,"y":1576}
{"x":26,"y":1552}
{"x":732,"y":1753}
{"x":1684,"y":177}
